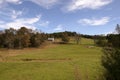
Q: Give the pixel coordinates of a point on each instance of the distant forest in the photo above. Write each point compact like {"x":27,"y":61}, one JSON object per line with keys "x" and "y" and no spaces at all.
{"x":24,"y":37}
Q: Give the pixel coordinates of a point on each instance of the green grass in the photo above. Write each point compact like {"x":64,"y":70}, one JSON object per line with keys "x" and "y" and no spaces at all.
{"x":59,"y":62}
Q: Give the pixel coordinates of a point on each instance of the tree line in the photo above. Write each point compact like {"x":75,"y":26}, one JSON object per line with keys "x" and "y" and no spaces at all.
{"x":21,"y":38}
{"x":60,"y":34}
{"x":66,"y":35}
{"x":24,"y":37}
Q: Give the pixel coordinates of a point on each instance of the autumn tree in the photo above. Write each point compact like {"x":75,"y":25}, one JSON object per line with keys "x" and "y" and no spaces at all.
{"x":23,"y":35}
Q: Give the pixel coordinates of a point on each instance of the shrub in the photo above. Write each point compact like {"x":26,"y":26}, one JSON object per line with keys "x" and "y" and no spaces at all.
{"x":65,"y":38}
{"x":111,"y":63}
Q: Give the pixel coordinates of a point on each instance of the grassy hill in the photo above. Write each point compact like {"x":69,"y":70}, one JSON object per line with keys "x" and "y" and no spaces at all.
{"x":52,"y":62}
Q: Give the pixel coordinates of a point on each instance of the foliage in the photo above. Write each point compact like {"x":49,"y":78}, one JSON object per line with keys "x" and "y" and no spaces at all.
{"x":111,"y":57}
{"x":87,"y":36}
{"x":100,"y":41}
{"x":114,"y":40}
{"x":60,"y":34}
{"x":111,"y":62}
{"x":24,"y":37}
{"x":21,"y":38}
{"x":37,"y":39}
{"x":65,"y":37}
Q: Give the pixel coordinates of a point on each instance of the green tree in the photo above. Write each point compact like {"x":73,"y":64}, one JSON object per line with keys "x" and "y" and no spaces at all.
{"x":114,"y":40}
{"x":100,"y":41}
{"x":21,"y":38}
{"x":65,"y":37}
{"x":36,"y":40}
{"x":111,"y":63}
{"x":9,"y":38}
{"x":111,"y":58}
{"x":2,"y":40}
{"x":23,"y":35}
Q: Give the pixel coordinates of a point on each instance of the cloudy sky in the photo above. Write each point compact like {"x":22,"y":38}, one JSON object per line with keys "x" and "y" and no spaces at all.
{"x":82,"y":16}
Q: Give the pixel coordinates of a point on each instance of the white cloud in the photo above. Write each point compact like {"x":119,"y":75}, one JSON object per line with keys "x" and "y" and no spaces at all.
{"x":10,"y":1}
{"x":45,"y":3}
{"x":26,"y":22}
{"x":94,"y":22}
{"x":16,"y":24}
{"x":59,"y":28}
{"x":15,"y":14}
{"x":4,"y":3}
{"x":14,"y":1}
{"x":90,"y":4}
{"x":10,"y":13}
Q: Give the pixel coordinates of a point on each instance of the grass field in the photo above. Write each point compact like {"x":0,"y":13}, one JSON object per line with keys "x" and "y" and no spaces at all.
{"x":52,"y":62}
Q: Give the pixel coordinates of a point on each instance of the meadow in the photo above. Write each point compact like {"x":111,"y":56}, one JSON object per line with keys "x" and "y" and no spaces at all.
{"x":52,"y":62}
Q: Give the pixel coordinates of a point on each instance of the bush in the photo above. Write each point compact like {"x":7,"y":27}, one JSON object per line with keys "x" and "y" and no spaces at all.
{"x":111,"y":63}
{"x":65,"y":38}
{"x":100,"y":41}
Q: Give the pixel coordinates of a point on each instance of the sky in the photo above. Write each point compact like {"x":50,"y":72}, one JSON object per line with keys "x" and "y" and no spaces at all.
{"x":82,"y":16}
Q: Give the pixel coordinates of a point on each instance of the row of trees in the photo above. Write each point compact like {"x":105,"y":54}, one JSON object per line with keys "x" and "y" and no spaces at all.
{"x":61,"y":34}
{"x":21,"y":38}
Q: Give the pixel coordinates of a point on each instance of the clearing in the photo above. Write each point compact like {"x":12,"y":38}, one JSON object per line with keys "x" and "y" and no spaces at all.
{"x":53,"y":62}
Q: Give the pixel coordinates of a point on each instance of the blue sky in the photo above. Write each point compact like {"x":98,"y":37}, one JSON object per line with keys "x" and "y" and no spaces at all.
{"x":83,"y":16}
